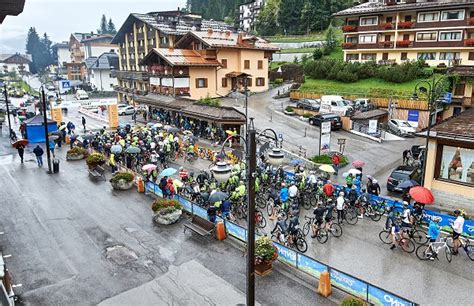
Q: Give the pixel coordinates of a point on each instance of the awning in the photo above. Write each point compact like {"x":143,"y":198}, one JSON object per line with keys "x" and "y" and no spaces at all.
{"x":235,"y":74}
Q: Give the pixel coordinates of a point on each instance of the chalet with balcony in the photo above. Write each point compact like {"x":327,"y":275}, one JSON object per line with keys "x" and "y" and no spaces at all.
{"x":394,"y":31}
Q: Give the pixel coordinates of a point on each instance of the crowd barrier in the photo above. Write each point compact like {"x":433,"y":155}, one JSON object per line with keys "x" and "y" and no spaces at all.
{"x":343,"y":281}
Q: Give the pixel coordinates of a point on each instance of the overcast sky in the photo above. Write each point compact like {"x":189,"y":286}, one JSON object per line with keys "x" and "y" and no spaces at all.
{"x":60,"y":18}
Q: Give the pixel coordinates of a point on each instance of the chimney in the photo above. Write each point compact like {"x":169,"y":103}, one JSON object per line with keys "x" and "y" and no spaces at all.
{"x":209,"y":32}
{"x":239,"y":39}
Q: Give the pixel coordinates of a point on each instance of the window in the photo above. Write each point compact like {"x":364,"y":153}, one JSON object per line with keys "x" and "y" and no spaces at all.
{"x":247,"y":64}
{"x":449,"y":55}
{"x":260,"y":81}
{"x":260,"y":64}
{"x":249,"y":82}
{"x":452,"y":15}
{"x":450,"y":36}
{"x":201,"y":83}
{"x":369,"y":56}
{"x":367,"y":21}
{"x":471,"y":56}
{"x":408,"y":18}
{"x":427,"y":56}
{"x":404,"y":56}
{"x":352,"y":57}
{"x":224,"y":63}
{"x":457,"y":164}
{"x":426,"y":36}
{"x":351,"y":39}
{"x":389,"y":20}
{"x":224,"y":82}
{"x":428,"y":17}
{"x":368,"y":39}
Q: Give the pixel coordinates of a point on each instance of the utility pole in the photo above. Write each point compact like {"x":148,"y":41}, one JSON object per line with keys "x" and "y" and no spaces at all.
{"x":252,"y":164}
{"x":5,"y":92}
{"x":45,"y":117}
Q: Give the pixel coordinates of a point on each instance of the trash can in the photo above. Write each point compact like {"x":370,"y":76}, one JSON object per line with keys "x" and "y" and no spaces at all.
{"x":55,"y":165}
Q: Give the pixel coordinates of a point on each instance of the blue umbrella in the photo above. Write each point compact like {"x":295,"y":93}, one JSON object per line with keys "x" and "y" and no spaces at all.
{"x":295,"y":162}
{"x":133,"y":150}
{"x":168,"y":172}
{"x":116,"y":149}
{"x":408,"y":184}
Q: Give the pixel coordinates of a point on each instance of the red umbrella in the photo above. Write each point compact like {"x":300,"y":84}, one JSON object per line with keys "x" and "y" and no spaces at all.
{"x":358,"y":164}
{"x":23,"y":142}
{"x":421,"y":195}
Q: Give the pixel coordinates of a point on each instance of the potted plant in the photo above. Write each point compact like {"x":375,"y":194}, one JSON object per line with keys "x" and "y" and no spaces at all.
{"x":352,"y":301}
{"x":76,"y":153}
{"x":122,"y":180}
{"x":289,"y":111}
{"x":166,"y":211}
{"x":265,"y":254}
{"x":348,"y":45}
{"x":349,"y":28}
{"x":95,"y":159}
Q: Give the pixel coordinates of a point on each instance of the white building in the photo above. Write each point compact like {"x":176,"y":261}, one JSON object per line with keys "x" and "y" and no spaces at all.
{"x":20,"y":63}
{"x":249,"y":13}
{"x":100,"y":71}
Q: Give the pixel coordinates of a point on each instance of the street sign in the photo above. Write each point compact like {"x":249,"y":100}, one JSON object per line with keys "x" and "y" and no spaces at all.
{"x":325,"y":127}
{"x":447,"y":97}
{"x":65,"y":84}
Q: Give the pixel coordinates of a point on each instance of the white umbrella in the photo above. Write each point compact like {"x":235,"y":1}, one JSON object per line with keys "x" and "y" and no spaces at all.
{"x":354,"y":172}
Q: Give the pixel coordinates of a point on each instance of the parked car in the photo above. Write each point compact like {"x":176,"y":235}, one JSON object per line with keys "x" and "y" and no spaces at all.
{"x":400,"y":174}
{"x":126,"y":110}
{"x":336,"y":122}
{"x":401,"y":127}
{"x":335,"y":104}
{"x":363,"y":105}
{"x":310,"y":104}
{"x":81,"y":95}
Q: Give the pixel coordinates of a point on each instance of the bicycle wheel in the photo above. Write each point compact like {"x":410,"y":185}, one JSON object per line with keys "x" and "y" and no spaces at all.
{"x":469,"y":251}
{"x":385,"y":237}
{"x":301,"y":244}
{"x":351,"y":216}
{"x":270,"y":205}
{"x":407,"y":245}
{"x":322,"y":236}
{"x":449,"y":253}
{"x":261,"y":201}
{"x":260,"y":219}
{"x":336,"y":230}
{"x":419,"y":236}
{"x":306,"y":201}
{"x":423,"y":252}
{"x":306,"y":228}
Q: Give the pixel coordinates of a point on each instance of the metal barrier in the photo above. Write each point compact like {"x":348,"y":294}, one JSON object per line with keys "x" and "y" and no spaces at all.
{"x":343,"y":281}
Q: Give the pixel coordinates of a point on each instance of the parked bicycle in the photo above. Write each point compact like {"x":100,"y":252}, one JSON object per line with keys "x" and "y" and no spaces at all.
{"x":406,"y":244}
{"x":431,"y":250}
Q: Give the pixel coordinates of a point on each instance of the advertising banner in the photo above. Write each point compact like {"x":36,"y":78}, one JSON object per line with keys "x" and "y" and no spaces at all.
{"x":187,"y":205}
{"x":157,"y":191}
{"x":380,"y":297}
{"x":348,"y":284}
{"x":286,"y":255}
{"x":236,"y":231}
{"x":325,"y":143}
{"x":310,"y":266}
{"x":150,"y":187}
{"x":372,"y":127}
{"x":326,"y":127}
{"x":201,"y":212}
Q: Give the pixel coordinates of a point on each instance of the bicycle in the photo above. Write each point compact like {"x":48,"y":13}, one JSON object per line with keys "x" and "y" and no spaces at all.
{"x":279,"y":210}
{"x":431,"y":251}
{"x":349,"y":214}
{"x":465,"y":245}
{"x":333,"y":227}
{"x":321,"y":235}
{"x":405,"y":243}
{"x":297,"y":240}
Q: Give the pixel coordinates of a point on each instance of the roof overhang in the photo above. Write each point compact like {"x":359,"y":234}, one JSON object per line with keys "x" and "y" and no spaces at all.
{"x":11,"y":7}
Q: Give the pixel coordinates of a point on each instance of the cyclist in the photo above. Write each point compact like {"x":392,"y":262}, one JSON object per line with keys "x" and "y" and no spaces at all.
{"x":328,"y":189}
{"x":390,"y":218}
{"x":284,"y":195}
{"x":433,"y":231}
{"x":364,"y":201}
{"x":340,"y":206}
{"x":407,"y":217}
{"x":293,"y":229}
{"x":281,"y":227}
{"x":395,"y":233}
{"x":293,"y":191}
{"x":312,"y":180}
{"x":190,"y":152}
{"x":352,"y":196}
{"x":318,"y":219}
{"x":457,"y":230}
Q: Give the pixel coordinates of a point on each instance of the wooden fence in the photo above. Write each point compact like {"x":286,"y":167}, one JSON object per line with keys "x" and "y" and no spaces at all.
{"x":379,"y":102}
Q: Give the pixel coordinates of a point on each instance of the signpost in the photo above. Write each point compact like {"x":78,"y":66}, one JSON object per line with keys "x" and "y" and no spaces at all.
{"x":325,"y":137}
{"x":372,"y":126}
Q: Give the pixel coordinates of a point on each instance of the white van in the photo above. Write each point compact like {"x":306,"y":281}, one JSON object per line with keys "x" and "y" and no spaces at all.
{"x":81,"y":95}
{"x":335,"y":104}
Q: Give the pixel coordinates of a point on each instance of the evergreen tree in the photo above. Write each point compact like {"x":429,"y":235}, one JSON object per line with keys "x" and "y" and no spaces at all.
{"x":103,"y":25}
{"x":289,"y":17}
{"x":267,"y":20}
{"x":32,"y":47}
{"x":111,"y":28}
{"x":331,"y":39}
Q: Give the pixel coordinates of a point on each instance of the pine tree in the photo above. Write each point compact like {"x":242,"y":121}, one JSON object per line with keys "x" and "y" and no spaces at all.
{"x":103,"y":25}
{"x":111,"y":28}
{"x":267,"y":20}
{"x":32,"y":47}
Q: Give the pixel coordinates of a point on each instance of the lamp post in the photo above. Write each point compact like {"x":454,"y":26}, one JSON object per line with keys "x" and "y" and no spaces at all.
{"x":222,"y":172}
{"x":5,"y":93}
{"x":433,"y":91}
{"x":46,"y":132}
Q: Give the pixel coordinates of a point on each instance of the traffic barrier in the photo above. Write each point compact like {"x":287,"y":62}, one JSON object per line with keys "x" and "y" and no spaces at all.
{"x":140,"y":185}
{"x":324,"y":286}
{"x":220,"y":231}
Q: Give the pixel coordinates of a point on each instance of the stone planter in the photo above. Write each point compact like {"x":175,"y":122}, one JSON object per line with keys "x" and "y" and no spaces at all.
{"x":165,"y":217}
{"x":289,"y":113}
{"x":122,"y":185}
{"x":72,"y":156}
{"x":263,"y":268}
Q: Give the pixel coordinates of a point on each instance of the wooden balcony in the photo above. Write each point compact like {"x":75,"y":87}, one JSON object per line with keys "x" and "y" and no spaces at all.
{"x":405,"y":25}
{"x":467,"y":102}
{"x":349,"y":45}
{"x":469,"y":42}
{"x":162,"y":70}
{"x":387,"y":26}
{"x":169,"y":90}
{"x":349,"y":28}
{"x":132,"y":75}
{"x":404,"y":43}
{"x":385,"y":44}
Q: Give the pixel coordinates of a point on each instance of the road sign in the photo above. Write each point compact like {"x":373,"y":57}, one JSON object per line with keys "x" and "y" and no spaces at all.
{"x":65,"y":84}
{"x":447,"y":97}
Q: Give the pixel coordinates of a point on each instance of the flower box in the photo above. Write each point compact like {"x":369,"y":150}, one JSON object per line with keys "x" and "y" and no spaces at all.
{"x":263,"y":268}
{"x":122,"y":181}
{"x":469,"y":42}
{"x":349,"y":28}
{"x":470,"y":21}
{"x":405,"y":24}
{"x":386,"y":44}
{"x":386,"y":26}
{"x":404,"y":43}
{"x":348,"y":45}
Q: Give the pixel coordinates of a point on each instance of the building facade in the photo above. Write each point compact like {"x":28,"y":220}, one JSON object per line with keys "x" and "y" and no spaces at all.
{"x":101,"y":71}
{"x":392,"y":31}
{"x":142,"y":33}
{"x":20,"y":63}
{"x":248,"y":13}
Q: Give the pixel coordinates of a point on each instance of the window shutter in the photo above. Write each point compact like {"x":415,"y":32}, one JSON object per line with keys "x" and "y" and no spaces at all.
{"x":197,"y":83}
{"x":205,"y":83}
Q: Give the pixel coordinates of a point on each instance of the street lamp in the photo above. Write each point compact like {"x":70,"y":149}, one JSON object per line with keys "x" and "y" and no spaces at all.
{"x":222,"y":172}
{"x":5,"y":92}
{"x":46,"y":132}
{"x":433,"y":91}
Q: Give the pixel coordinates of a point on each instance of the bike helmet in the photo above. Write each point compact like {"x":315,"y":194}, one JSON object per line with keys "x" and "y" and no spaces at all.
{"x":457,"y":212}
{"x":405,"y":204}
{"x":329,"y":200}
{"x":364,"y":190}
{"x":341,"y":193}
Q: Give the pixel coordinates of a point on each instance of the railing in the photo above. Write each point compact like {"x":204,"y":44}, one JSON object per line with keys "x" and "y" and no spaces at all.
{"x":345,"y":282}
{"x":349,"y":28}
{"x":132,"y":75}
{"x":385,"y":44}
{"x":404,"y":43}
{"x":405,"y":24}
{"x":349,"y":45}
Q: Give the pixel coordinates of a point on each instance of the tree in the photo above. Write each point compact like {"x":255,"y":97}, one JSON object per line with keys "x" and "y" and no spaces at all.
{"x":267,"y":20}
{"x":103,"y":25}
{"x":289,"y":16}
{"x":331,"y":39}
{"x":111,"y":28}
{"x":32,"y":47}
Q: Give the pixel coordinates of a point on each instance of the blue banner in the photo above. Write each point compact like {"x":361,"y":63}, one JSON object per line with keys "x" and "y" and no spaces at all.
{"x":187,"y":205}
{"x":349,"y":284}
{"x":310,"y":266}
{"x":150,"y":187}
{"x":286,"y":255}
{"x":380,"y":297}
{"x":236,"y":231}
{"x":413,"y":115}
{"x":158,"y":191}
{"x":201,"y":212}
{"x":447,"y":220}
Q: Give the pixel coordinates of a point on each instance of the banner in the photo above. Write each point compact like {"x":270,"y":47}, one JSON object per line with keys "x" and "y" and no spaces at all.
{"x":372,"y":126}
{"x":187,"y":205}
{"x":201,"y":212}
{"x":236,"y":231}
{"x":380,"y":297}
{"x":286,"y":255}
{"x":310,"y":266}
{"x":348,"y":284}
{"x":325,"y":143}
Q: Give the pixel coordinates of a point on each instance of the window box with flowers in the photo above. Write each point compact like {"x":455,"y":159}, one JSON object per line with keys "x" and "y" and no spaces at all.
{"x":405,"y":24}
{"x":386,"y":26}
{"x":166,"y":211}
{"x":386,"y":44}
{"x":265,"y":254}
{"x":469,"y":42}
{"x":404,"y":43}
{"x":348,"y":45}
{"x":349,"y":28}
{"x":470,"y":21}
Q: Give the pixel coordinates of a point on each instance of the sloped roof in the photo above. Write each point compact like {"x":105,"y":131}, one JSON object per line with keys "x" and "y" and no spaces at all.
{"x":90,"y":61}
{"x":226,"y":39}
{"x":179,"y":57}
{"x":378,"y":7}
{"x":107,"y":60}
{"x":375,"y":113}
{"x":456,"y":128}
{"x":37,"y":120}
{"x":10,"y":7}
{"x":4,"y":57}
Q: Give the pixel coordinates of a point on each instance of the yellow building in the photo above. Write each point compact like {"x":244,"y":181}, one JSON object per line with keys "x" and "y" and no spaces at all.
{"x":210,"y":64}
{"x":389,"y":31}
{"x":450,"y":161}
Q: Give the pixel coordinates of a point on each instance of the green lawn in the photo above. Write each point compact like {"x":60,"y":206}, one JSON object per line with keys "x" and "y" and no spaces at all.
{"x":298,"y":50}
{"x":336,"y":54}
{"x":296,"y":38}
{"x":372,"y":87}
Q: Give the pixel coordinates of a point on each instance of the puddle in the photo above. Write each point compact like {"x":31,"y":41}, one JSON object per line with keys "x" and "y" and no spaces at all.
{"x":120,"y":255}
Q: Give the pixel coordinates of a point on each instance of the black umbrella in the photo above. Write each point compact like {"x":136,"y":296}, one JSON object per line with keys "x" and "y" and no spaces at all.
{"x":218,"y":196}
{"x":408,"y":184}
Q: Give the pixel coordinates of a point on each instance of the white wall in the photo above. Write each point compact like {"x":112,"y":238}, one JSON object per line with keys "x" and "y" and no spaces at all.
{"x":98,"y":50}
{"x":101,"y":80}
{"x":63,"y":56}
{"x":14,"y":67}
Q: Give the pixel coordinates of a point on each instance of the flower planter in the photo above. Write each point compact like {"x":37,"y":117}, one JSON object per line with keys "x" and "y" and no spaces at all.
{"x":166,"y":216}
{"x":73,"y":156}
{"x":121,"y":185}
{"x":263,"y":268}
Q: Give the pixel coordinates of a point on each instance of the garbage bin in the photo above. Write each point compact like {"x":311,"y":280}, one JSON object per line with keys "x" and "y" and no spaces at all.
{"x":55,"y":165}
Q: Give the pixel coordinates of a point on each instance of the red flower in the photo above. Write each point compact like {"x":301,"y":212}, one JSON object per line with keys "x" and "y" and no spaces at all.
{"x":349,"y":28}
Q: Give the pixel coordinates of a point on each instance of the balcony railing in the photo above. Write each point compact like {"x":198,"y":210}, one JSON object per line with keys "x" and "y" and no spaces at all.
{"x":349,"y":45}
{"x":349,"y":28}
{"x":133,"y":75}
{"x":385,"y":44}
{"x":469,"y":42}
{"x":470,"y":21}
{"x":169,"y":90}
{"x":405,"y":24}
{"x":404,"y":43}
{"x":133,"y":91}
{"x":387,"y":26}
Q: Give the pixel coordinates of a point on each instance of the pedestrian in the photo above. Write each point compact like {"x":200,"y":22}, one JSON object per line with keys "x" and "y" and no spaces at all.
{"x":336,"y":160}
{"x":52,"y":145}
{"x":374,"y":187}
{"x":14,"y":116}
{"x":21,"y":151}
{"x":349,"y":180}
{"x":406,"y":155}
{"x":340,"y":206}
{"x":112,"y":163}
{"x":169,"y":191}
{"x":38,"y":151}
{"x":72,"y":140}
{"x":83,"y":120}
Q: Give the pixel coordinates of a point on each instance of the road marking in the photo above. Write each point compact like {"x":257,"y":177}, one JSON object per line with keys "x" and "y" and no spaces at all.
{"x":17,"y":285}
{"x":7,"y":256}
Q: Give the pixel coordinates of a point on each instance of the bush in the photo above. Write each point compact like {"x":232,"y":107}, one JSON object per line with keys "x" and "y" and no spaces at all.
{"x":327,"y":159}
{"x":317,"y":54}
{"x":347,"y":76}
{"x":161,"y":203}
{"x":352,"y":301}
{"x":278,"y":81}
{"x":264,"y":249}
{"x":405,"y":72}
{"x":95,"y":159}
{"x":209,"y":101}
{"x":289,"y":109}
{"x":307,"y":115}
{"x":126,"y":176}
{"x":78,"y":151}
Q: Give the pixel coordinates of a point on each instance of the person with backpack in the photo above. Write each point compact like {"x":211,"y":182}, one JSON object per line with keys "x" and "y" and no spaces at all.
{"x":38,"y":151}
{"x":169,"y":191}
{"x":336,"y":160}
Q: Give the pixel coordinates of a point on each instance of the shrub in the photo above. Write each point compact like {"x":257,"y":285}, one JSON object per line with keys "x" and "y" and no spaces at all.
{"x":126,"y":176}
{"x":317,"y":54}
{"x":264,"y":249}
{"x":289,"y":109}
{"x":95,"y":159}
{"x":304,"y":59}
{"x":327,"y":159}
{"x":307,"y":115}
{"x":278,"y":81}
{"x":347,"y":76}
{"x":352,"y":301}
{"x":78,"y":151}
{"x":209,"y":101}
{"x":161,"y":203}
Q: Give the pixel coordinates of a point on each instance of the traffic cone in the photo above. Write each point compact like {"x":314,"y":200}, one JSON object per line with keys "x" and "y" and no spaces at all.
{"x":324,"y":287}
{"x":220,"y":231}
{"x":140,"y":185}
